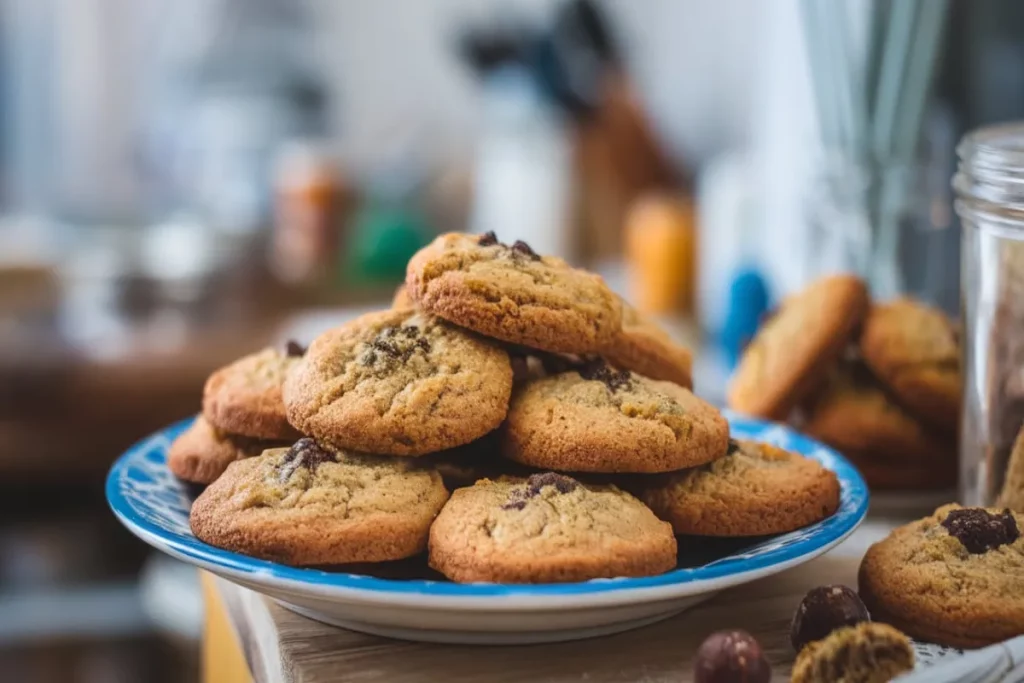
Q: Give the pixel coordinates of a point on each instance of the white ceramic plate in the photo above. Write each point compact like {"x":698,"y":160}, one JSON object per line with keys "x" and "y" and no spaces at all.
{"x":154,"y":505}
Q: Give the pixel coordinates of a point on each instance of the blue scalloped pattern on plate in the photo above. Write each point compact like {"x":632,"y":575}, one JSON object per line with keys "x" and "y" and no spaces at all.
{"x":147,"y":498}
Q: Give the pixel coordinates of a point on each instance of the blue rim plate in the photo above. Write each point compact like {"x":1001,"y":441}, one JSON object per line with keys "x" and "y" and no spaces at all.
{"x":154,"y":506}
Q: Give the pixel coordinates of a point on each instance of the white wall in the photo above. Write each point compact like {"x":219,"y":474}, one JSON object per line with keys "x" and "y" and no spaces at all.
{"x":396,"y":72}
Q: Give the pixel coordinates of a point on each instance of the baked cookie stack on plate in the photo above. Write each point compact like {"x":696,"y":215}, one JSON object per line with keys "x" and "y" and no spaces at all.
{"x":880,"y":382}
{"x":561,"y":418}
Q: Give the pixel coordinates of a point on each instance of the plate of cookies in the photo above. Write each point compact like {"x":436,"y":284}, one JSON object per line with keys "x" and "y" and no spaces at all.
{"x":509,"y":454}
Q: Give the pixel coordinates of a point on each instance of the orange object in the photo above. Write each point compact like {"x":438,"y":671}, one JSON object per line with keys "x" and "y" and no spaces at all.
{"x":223,"y":661}
{"x":660,"y":239}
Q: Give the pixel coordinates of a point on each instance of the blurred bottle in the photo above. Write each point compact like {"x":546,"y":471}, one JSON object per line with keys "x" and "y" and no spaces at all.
{"x":312,"y":200}
{"x":660,"y":245}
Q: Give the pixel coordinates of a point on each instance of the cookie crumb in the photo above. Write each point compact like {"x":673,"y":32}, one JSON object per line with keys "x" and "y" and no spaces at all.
{"x":980,"y":531}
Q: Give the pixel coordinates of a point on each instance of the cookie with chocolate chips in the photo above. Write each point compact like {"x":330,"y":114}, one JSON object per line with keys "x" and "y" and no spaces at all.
{"x":244,"y":397}
{"x":547,"y":528}
{"x":597,"y":418}
{"x":313,"y":505}
{"x":399,"y":383}
{"x":952,"y":578}
{"x":511,"y":293}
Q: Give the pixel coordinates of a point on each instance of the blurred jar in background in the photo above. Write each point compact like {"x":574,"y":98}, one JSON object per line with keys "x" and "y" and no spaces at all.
{"x":990,"y":202}
{"x":311,"y":200}
{"x":660,"y":242}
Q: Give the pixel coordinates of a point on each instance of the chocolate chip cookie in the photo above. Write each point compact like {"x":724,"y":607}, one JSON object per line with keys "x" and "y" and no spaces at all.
{"x":756,"y":489}
{"x":793,"y":351}
{"x":201,"y":453}
{"x":399,"y":383}
{"x":952,"y":578}
{"x":855,"y":415}
{"x":310,"y":505}
{"x":245,"y":397}
{"x":401,"y":298}
{"x":865,"y":653}
{"x":547,"y":528}
{"x":646,"y":349}
{"x":508,"y":292}
{"x":596,"y":418}
{"x":913,"y":349}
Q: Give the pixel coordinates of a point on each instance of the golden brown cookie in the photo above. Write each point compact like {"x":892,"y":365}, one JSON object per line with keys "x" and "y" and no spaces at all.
{"x":308,"y":505}
{"x":865,"y":653}
{"x":201,"y":453}
{"x":756,"y":489}
{"x":548,"y":528}
{"x":245,"y":397}
{"x":952,"y":578}
{"x":399,"y":383}
{"x":794,"y":349}
{"x":598,"y":419}
{"x":646,"y":349}
{"x":510,"y":293}
{"x":857,"y":417}
{"x":913,"y":349}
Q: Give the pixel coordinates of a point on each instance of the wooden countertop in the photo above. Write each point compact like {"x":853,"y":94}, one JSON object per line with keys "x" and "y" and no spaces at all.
{"x":279,"y":646}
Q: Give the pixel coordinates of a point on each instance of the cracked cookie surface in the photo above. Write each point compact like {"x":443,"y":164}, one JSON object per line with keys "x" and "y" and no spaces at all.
{"x":794,"y":349}
{"x":952,"y":578}
{"x":547,"y":528}
{"x":646,"y":349}
{"x":913,"y":349}
{"x":599,"y":419}
{"x":510,"y":293}
{"x":311,"y":505}
{"x":245,"y":397}
{"x":201,"y":453}
{"x":399,"y":383}
{"x":756,"y":489}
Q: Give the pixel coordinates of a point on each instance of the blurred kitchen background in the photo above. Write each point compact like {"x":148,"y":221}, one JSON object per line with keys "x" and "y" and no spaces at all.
{"x":183,"y":181}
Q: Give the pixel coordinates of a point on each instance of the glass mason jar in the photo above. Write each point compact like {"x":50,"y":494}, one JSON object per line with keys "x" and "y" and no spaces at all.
{"x":989,"y":185}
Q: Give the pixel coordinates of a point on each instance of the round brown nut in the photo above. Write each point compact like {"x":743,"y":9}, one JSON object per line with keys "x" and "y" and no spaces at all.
{"x":823,"y":610}
{"x":731,"y":657}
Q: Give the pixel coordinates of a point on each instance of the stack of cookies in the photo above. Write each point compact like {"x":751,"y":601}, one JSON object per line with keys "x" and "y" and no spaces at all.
{"x":880,"y":382}
{"x":561,"y":419}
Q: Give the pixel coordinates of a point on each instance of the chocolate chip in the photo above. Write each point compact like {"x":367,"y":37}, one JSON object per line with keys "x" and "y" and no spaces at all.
{"x":534,"y":484}
{"x":294,"y":349}
{"x":562,"y":483}
{"x":823,"y":610}
{"x":488,"y":239}
{"x":521,"y":247}
{"x":306,"y":452}
{"x":598,"y":370}
{"x":395,"y":344}
{"x":980,"y":531}
{"x":734,"y":447}
{"x":731,"y":657}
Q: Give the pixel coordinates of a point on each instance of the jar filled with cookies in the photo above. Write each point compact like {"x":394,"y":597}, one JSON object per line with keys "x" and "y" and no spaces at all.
{"x":989,"y":185}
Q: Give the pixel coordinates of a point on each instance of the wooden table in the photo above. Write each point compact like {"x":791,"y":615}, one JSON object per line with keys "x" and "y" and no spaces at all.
{"x":252,"y":639}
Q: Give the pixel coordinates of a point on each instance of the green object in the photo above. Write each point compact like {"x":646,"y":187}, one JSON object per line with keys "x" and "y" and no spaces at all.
{"x":384,"y":239}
